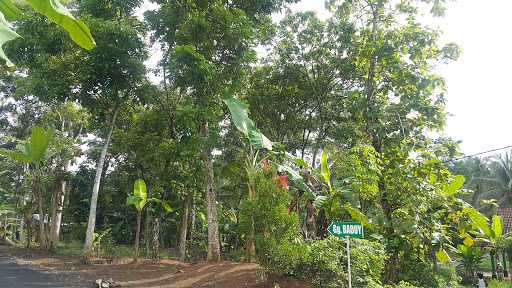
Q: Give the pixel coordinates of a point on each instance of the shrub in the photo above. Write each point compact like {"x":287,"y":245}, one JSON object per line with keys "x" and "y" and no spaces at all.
{"x":420,"y":273}
{"x":323,"y":263}
{"x":367,"y":259}
{"x":499,"y":284}
{"x":402,"y":284}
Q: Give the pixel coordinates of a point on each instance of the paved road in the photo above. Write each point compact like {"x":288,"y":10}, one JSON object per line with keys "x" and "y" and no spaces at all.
{"x":13,"y":275}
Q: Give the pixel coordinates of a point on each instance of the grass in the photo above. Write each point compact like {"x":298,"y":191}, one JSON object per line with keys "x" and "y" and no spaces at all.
{"x":499,"y":284}
{"x":75,"y":249}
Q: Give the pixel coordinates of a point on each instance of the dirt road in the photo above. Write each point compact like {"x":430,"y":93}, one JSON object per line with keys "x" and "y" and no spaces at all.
{"x":13,"y":275}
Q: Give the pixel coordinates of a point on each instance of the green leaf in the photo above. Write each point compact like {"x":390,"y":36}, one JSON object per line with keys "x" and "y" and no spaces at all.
{"x":38,"y":143}
{"x":240,"y":115}
{"x":34,"y":149}
{"x":132,"y":200}
{"x":140,"y":191}
{"x":16,"y":156}
{"x":320,"y":201}
{"x":468,"y":241}
{"x":60,"y":15}
{"x":10,"y":11}
{"x":6,"y":35}
{"x":167,"y":206}
{"x":443,"y":257}
{"x":139,"y":199}
{"x":478,"y":220}
{"x":326,"y":173}
{"x":497,"y":226}
{"x":454,"y":186}
{"x":356,"y":214}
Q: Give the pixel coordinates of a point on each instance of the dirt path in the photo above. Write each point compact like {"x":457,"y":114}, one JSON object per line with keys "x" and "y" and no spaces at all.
{"x":164,"y":274}
{"x":14,"y":275}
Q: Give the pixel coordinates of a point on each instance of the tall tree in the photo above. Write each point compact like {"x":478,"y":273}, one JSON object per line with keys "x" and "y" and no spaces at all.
{"x":112,"y":74}
{"x":209,"y":45}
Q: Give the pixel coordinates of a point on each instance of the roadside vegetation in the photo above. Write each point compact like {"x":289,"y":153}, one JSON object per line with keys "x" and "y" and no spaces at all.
{"x":245,"y":156}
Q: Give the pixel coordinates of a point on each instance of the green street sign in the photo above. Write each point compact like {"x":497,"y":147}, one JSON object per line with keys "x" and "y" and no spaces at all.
{"x":343,"y":229}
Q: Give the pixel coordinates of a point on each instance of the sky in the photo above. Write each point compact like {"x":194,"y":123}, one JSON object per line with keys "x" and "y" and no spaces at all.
{"x":478,"y":95}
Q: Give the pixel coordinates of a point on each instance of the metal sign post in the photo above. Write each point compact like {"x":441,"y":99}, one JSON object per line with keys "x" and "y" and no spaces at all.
{"x":348,"y":260}
{"x":346,"y":230}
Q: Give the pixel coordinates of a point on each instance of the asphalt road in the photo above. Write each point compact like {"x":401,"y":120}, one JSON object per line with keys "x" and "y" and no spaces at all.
{"x":13,"y":275}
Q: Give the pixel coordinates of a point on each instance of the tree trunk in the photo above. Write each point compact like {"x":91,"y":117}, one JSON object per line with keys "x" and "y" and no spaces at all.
{"x":250,"y":247}
{"x":504,"y":261}
{"x":192,"y":216}
{"x":156,"y":239}
{"x":57,"y":207}
{"x":210,"y":197}
{"x":137,"y":236}
{"x":183,"y":228}
{"x":29,"y":234}
{"x":94,"y":197}
{"x":147,"y":224}
{"x":39,"y":197}
{"x":493,"y":265}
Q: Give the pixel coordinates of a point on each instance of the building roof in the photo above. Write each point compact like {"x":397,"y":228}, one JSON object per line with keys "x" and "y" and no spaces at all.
{"x":506,"y":216}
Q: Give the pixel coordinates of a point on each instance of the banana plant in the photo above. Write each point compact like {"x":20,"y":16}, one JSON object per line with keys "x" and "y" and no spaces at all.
{"x":51,"y":9}
{"x":34,"y":149}
{"x":257,"y":141}
{"x":6,"y":221}
{"x":488,"y":232}
{"x":138,"y":200}
{"x":493,"y":236}
{"x":470,"y":257}
{"x":240,"y":117}
{"x":33,"y":152}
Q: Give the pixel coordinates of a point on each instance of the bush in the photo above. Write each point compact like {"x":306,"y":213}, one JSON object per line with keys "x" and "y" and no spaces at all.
{"x":323,"y":263}
{"x":402,"y":284}
{"x":325,"y":266}
{"x":499,"y":284}
{"x":282,"y":251}
{"x":367,"y":259}
{"x":283,"y":258}
{"x":420,"y":273}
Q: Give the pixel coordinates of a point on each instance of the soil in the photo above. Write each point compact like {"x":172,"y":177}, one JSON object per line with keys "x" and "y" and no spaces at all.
{"x":148,"y":274}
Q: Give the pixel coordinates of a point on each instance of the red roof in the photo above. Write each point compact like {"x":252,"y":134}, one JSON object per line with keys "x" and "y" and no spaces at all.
{"x":506,"y":216}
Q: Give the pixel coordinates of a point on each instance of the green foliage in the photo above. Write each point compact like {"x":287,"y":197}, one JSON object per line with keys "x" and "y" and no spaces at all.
{"x":325,"y":171}
{"x":402,"y":284}
{"x":470,"y":260}
{"x":270,"y":210}
{"x":499,"y":284}
{"x":55,"y":12}
{"x":34,"y":149}
{"x":454,"y":186}
{"x":140,"y":195}
{"x":323,"y":263}
{"x":139,"y":199}
{"x":6,"y":35}
{"x":240,"y":116}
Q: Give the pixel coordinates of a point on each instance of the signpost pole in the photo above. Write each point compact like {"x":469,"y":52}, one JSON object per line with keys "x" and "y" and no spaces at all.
{"x":348,"y":260}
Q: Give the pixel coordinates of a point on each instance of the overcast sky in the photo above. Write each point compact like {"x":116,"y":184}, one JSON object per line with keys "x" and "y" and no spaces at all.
{"x":479,"y":97}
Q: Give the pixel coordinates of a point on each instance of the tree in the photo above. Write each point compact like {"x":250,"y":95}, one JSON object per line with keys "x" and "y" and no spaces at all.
{"x":209,"y":45}
{"x":69,"y":121}
{"x":501,"y":177}
{"x":113,"y":87}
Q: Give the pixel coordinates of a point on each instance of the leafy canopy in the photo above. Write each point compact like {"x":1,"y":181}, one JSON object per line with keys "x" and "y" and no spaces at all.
{"x":55,"y":12}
